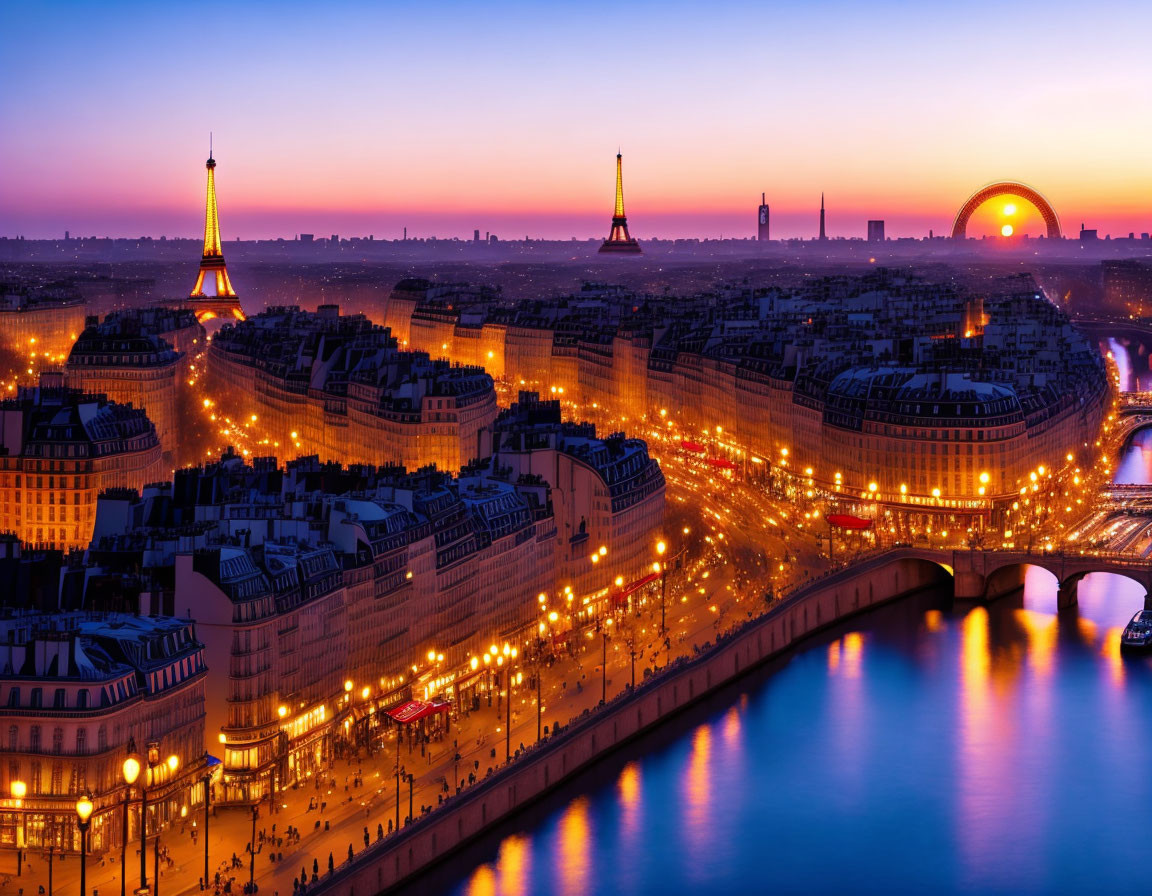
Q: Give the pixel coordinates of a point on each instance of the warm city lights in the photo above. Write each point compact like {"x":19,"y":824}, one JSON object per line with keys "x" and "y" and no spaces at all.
{"x":807,"y":494}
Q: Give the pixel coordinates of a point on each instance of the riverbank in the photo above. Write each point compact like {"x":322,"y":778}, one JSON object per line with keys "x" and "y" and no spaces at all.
{"x":546,"y":766}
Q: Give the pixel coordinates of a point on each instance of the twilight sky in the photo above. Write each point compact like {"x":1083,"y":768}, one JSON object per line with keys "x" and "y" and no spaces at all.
{"x":358,"y":118}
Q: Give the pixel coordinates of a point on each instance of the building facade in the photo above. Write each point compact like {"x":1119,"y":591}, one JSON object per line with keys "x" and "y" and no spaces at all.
{"x":128,"y":357}
{"x":59,"y":448}
{"x":40,"y":321}
{"x":945,"y":395}
{"x":77,"y":691}
{"x":339,"y":387}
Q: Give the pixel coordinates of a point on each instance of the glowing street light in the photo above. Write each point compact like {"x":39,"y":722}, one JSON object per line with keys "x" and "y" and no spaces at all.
{"x":83,"y":819}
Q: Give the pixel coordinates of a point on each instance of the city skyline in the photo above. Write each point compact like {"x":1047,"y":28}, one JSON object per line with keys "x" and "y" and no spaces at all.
{"x":495,"y":120}
{"x":426,"y":547}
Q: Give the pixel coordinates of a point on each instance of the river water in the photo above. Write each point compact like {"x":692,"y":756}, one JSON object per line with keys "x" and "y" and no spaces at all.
{"x":925,"y":746}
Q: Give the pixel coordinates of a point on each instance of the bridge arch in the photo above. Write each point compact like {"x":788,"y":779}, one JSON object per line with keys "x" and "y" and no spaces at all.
{"x":909,"y":567}
{"x":1006,"y":188}
{"x":1070,"y":582}
{"x":1011,"y":576}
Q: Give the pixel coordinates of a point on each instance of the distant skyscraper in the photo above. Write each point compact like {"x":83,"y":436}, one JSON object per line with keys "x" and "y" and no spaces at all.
{"x":762,"y":220}
{"x":212,"y":263}
{"x":1127,"y":285}
{"x":875,"y":231}
{"x":619,"y":241}
{"x":823,"y":235}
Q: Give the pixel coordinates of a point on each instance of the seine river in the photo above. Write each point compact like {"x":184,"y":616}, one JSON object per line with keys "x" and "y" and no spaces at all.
{"x":922,"y":747}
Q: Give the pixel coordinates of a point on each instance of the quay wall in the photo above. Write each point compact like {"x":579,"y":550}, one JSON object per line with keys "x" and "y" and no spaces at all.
{"x":429,"y":839}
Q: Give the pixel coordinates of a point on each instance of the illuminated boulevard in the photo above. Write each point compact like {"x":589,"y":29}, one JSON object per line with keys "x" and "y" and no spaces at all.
{"x":743,"y":534}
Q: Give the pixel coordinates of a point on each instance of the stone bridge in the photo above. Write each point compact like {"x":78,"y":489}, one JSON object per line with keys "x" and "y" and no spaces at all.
{"x":1135,"y":413}
{"x":987,"y":574}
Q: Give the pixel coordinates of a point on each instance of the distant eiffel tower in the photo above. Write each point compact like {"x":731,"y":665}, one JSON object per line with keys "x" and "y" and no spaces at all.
{"x":225,"y":301}
{"x":619,"y":241}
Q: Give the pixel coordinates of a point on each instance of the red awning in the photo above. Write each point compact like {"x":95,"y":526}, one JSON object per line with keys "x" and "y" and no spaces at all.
{"x":847,"y":521}
{"x":414,"y":710}
{"x":721,"y":464}
{"x":628,"y":590}
{"x":692,"y":446}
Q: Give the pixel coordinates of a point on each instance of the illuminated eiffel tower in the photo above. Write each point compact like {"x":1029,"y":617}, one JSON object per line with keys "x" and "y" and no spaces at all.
{"x":224,"y":302}
{"x":619,"y":242}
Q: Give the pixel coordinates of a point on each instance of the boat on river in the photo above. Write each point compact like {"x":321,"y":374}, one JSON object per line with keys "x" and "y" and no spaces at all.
{"x":1138,"y":633}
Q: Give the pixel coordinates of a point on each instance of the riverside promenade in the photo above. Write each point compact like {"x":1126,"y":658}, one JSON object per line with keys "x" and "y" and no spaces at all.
{"x":544,"y":767}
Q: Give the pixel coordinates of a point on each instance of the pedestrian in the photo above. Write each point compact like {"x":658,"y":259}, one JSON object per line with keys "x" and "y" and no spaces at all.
{"x":331,"y":863}
{"x":379,"y":832}
{"x":350,"y":853}
{"x":366,"y":839}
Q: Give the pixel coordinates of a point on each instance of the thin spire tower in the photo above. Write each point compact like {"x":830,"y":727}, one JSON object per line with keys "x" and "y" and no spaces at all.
{"x":212,"y":262}
{"x":823,"y":235}
{"x":619,"y":240}
{"x":212,"y":265}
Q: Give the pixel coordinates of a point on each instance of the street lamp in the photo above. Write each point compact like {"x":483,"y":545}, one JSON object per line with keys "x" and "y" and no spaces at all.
{"x":397,"y":769}
{"x":153,"y":754}
{"x":131,"y":773}
{"x":509,"y":652}
{"x":83,"y":815}
{"x":172,"y":762}
{"x":207,"y":779}
{"x":252,"y":850}
{"x":662,"y":568}
{"x":19,"y":791}
{"x":604,"y":664}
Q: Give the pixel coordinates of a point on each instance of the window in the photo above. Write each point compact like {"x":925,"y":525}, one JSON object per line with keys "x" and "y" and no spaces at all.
{"x":58,"y":740}
{"x":58,"y":699}
{"x":14,"y":697}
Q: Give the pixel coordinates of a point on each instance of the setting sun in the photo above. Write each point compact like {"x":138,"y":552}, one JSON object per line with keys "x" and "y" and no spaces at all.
{"x":1006,"y":230}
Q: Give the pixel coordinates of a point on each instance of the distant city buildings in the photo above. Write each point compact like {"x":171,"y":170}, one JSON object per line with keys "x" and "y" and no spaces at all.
{"x":883,"y":380}
{"x":131,"y":358}
{"x":875,"y":231}
{"x":1127,"y":285}
{"x":44,"y":320}
{"x":339,"y":386}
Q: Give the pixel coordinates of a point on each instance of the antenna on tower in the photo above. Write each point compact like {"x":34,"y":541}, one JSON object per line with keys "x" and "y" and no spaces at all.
{"x":209,"y":144}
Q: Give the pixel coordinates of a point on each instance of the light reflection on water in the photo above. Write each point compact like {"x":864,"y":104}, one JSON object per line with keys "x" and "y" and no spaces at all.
{"x":924,"y":747}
